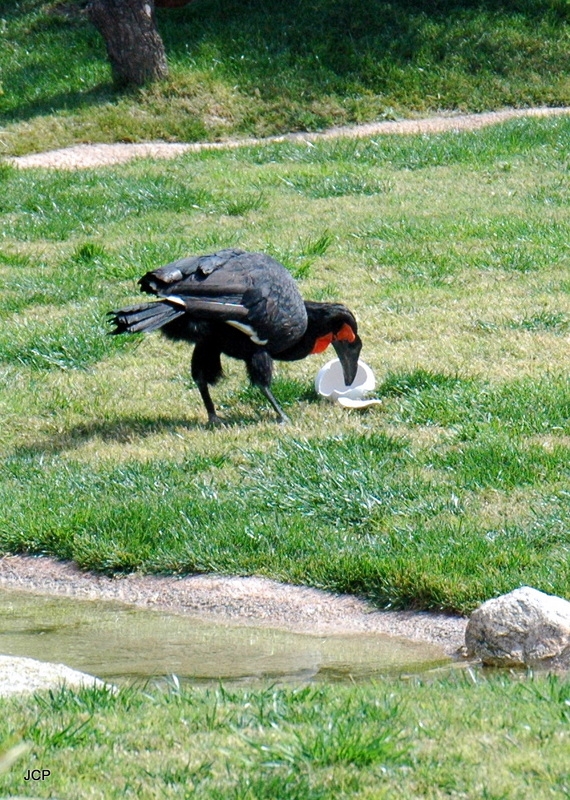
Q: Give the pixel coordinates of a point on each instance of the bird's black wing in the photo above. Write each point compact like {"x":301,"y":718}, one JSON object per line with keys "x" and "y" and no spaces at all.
{"x":193,"y":269}
{"x":250,"y":291}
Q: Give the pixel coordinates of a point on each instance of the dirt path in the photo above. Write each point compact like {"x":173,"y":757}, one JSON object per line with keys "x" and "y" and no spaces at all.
{"x":87,"y":156}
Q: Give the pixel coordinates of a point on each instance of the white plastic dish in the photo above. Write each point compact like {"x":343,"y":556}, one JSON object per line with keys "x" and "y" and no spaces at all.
{"x":330,"y":383}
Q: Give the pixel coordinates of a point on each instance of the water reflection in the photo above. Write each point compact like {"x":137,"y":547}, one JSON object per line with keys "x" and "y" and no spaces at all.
{"x":122,"y":643}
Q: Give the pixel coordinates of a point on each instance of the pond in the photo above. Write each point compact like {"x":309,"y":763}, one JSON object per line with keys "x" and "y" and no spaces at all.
{"x":122,"y":643}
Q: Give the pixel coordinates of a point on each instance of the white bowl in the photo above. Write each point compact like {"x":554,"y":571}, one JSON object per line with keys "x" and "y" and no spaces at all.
{"x":330,"y":383}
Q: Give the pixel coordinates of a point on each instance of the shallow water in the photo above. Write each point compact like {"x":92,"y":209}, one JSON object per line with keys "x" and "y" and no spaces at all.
{"x":121,"y":643}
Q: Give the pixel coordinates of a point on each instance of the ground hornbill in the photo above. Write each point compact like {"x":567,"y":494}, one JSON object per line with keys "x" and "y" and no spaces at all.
{"x":245,"y":305}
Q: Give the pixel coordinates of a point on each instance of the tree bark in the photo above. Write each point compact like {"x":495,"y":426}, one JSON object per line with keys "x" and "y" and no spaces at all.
{"x":134,"y":46}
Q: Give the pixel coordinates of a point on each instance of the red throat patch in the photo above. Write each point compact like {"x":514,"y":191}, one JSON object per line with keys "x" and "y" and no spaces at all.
{"x":322,"y":343}
{"x":345,"y":334}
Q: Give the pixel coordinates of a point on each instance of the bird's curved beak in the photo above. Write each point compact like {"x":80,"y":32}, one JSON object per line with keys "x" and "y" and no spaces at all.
{"x":348,"y":353}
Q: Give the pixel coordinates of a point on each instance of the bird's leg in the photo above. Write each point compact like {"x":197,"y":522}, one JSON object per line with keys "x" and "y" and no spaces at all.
{"x":207,"y":369}
{"x":260,"y":371}
{"x":283,"y":418}
{"x":213,"y":418}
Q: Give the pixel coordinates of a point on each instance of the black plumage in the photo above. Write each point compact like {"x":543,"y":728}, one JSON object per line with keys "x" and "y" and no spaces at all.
{"x":243,"y":305}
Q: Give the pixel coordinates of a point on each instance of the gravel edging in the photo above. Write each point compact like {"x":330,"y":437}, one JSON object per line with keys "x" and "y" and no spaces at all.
{"x":252,"y":601}
{"x":88,"y":156}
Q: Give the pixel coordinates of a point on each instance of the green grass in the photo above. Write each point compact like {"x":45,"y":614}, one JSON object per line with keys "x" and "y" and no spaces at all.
{"x":244,"y":68}
{"x":403,"y":528}
{"x":464,"y":735}
{"x":451,"y":492}
{"x":452,"y":251}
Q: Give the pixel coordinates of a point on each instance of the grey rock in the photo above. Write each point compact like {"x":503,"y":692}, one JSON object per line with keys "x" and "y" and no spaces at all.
{"x":523,"y":628}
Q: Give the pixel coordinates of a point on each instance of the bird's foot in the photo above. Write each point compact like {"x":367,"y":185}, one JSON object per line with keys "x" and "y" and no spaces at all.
{"x":214,"y":421}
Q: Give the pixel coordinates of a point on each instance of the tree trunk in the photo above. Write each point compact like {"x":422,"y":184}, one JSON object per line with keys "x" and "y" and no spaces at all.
{"x":134,"y":46}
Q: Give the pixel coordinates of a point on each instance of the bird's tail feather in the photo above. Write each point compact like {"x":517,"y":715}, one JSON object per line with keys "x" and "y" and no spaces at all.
{"x":144,"y":318}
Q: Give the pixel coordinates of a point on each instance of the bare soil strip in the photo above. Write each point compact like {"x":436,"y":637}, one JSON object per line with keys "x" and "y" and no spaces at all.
{"x":88,"y":156}
{"x":242,"y":601}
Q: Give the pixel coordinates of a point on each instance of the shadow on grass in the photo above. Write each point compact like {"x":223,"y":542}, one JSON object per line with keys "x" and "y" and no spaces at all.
{"x":98,"y":95}
{"x":127,"y":430}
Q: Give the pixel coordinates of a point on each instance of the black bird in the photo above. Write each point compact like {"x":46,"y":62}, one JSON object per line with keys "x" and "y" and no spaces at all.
{"x":245,"y":305}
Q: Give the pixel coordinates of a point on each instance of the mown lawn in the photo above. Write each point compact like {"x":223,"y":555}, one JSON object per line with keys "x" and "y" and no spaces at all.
{"x":241,"y":68}
{"x":451,"y":250}
{"x":463,"y":736}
